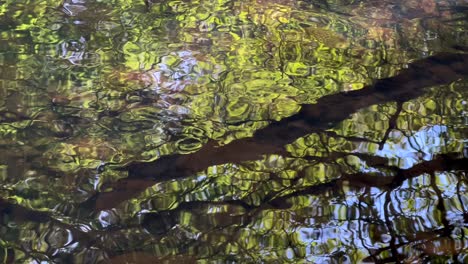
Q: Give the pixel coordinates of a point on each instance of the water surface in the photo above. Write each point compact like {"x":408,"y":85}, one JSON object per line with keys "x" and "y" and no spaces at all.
{"x":233,"y":131}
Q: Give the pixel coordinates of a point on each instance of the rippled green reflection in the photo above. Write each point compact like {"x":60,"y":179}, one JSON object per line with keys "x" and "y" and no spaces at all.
{"x":233,"y":131}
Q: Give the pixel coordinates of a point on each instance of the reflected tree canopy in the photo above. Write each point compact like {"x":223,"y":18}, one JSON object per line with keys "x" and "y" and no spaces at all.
{"x":233,"y":131}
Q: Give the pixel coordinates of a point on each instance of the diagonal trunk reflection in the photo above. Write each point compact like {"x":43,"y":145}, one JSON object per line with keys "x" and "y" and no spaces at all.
{"x":329,"y":110}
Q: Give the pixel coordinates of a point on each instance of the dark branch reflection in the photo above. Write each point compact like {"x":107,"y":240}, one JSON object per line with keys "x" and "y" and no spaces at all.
{"x":328,"y":111}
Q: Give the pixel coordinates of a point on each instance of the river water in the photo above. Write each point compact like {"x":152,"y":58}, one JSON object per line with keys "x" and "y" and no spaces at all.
{"x":330,"y":131}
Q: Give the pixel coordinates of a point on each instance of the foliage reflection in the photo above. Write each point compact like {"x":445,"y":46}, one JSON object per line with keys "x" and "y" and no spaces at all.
{"x":233,"y":131}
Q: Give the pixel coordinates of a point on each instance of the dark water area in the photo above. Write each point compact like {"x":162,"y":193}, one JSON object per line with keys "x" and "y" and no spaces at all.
{"x":328,"y":131}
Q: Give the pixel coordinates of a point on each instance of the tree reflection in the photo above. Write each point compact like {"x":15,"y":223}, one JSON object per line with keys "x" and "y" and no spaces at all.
{"x":258,"y":131}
